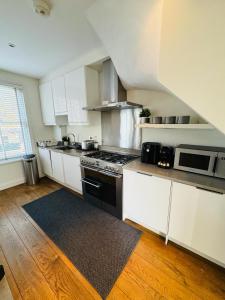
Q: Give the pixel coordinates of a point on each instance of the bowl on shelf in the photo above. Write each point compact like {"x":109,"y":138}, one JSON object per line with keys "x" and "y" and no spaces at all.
{"x":169,"y":120}
{"x":183,"y":119}
{"x":156,"y":120}
{"x":144,"y":120}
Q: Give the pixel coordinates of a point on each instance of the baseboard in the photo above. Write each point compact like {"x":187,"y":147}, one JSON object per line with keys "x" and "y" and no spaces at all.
{"x":205,"y":256}
{"x":11,"y":183}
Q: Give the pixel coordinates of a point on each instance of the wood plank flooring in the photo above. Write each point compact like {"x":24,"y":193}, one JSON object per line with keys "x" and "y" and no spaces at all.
{"x":37,"y":269}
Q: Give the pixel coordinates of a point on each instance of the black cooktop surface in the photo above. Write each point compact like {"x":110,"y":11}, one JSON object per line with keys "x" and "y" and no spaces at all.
{"x":111,"y":157}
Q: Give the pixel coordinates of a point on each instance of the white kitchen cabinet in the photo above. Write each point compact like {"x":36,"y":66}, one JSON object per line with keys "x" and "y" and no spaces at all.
{"x":146,"y":200}
{"x":72,"y":172}
{"x":209,"y":230}
{"x":45,"y":158}
{"x":59,"y":95}
{"x":197,"y":221}
{"x":82,"y":89}
{"x":47,"y":105}
{"x":57,"y":166}
{"x":183,"y":213}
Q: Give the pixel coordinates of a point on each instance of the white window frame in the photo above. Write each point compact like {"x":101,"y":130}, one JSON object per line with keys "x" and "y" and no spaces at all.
{"x":21,"y":88}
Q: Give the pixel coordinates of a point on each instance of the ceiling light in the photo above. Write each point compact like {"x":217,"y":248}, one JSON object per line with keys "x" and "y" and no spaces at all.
{"x":11,"y":45}
{"x":41,"y":7}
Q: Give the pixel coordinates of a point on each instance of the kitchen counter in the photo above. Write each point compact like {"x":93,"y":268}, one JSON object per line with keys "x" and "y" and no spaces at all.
{"x":201,"y":181}
{"x":71,"y":152}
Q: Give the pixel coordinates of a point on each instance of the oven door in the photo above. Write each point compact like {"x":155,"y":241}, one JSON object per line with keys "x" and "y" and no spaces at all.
{"x":196,"y":161}
{"x":103,"y":189}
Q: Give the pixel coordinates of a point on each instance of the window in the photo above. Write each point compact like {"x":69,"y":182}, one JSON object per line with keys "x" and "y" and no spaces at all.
{"x":14,"y":132}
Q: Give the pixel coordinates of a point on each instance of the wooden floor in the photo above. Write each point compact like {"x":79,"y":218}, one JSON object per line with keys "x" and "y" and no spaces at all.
{"x":37,"y":269}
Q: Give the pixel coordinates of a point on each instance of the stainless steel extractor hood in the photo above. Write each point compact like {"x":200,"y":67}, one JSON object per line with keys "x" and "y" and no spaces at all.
{"x":113,"y":93}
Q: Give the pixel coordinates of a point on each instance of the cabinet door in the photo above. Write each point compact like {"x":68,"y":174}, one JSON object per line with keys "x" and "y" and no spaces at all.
{"x":76,"y":96}
{"x":57,"y":166}
{"x":59,"y":96}
{"x":47,"y":106}
{"x":72,"y":172}
{"x":46,"y":164}
{"x":146,"y":200}
{"x":209,"y":230}
{"x":183,"y":213}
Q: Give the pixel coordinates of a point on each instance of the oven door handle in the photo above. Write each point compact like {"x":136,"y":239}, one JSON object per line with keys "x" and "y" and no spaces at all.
{"x":97,"y":186}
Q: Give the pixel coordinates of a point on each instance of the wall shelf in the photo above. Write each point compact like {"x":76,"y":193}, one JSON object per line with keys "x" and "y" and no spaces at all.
{"x":176,"y":126}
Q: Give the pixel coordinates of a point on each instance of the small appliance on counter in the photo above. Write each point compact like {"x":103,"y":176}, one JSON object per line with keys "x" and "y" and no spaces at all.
{"x":166,"y":157}
{"x":88,"y":145}
{"x":201,"y":159}
{"x":150,"y":153}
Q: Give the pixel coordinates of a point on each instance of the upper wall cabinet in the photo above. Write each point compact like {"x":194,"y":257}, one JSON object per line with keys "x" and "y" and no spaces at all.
{"x":59,"y":95}
{"x":47,"y":105}
{"x":82,"y":89}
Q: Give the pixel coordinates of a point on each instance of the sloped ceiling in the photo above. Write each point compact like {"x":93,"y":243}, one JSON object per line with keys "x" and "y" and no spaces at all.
{"x":171,"y":45}
{"x":130,"y":32}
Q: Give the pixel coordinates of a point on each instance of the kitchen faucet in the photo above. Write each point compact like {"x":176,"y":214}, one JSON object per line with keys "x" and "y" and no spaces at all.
{"x":74,"y":137}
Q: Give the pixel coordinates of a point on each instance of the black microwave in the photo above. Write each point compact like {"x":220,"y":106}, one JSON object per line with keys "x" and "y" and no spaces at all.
{"x":200,"y":159}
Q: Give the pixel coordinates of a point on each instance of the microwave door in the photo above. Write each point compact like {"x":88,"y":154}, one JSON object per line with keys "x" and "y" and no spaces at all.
{"x":220,"y":166}
{"x":196,"y":161}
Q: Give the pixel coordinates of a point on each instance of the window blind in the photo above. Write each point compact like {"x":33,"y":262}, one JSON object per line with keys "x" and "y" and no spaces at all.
{"x":14,"y":131}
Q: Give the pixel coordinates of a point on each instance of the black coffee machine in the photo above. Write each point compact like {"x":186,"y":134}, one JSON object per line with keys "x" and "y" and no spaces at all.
{"x":166,"y":157}
{"x":150,"y":153}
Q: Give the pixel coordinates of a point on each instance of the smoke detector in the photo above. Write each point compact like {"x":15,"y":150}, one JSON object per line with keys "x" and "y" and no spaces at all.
{"x":41,"y":7}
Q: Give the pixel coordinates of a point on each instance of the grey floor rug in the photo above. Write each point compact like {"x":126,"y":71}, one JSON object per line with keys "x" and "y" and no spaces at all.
{"x":97,"y":243}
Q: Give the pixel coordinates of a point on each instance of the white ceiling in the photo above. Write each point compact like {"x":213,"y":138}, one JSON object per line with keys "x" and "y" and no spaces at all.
{"x":43,"y":43}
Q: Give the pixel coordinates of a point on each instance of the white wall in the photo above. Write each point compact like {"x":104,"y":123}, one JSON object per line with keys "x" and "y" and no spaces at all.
{"x":12,"y":174}
{"x":192,"y":60}
{"x":163,"y":104}
{"x":83,"y":132}
{"x":87,"y":59}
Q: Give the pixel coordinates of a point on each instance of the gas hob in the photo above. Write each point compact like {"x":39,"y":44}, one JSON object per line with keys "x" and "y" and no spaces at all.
{"x":109,"y":161}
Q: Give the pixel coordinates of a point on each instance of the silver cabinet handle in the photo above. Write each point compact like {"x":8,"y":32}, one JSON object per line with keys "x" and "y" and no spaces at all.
{"x":144,"y":174}
{"x":97,"y":186}
{"x":208,"y":190}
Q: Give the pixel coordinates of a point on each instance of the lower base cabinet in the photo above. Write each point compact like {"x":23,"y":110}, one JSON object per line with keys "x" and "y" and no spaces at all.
{"x":46,"y":164}
{"x":146,"y":200}
{"x":72,"y":172}
{"x":197,"y":220}
{"x":62,"y":167}
{"x":57,"y":166}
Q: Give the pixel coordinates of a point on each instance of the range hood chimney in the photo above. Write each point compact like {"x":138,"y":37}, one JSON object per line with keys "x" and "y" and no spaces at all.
{"x":114,"y":95}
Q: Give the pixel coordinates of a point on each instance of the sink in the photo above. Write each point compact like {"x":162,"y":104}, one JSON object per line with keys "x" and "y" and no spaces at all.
{"x":77,"y":146}
{"x":64,"y":147}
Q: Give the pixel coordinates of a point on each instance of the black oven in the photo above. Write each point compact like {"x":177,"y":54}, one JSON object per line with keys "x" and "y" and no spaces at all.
{"x":103,"y":189}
